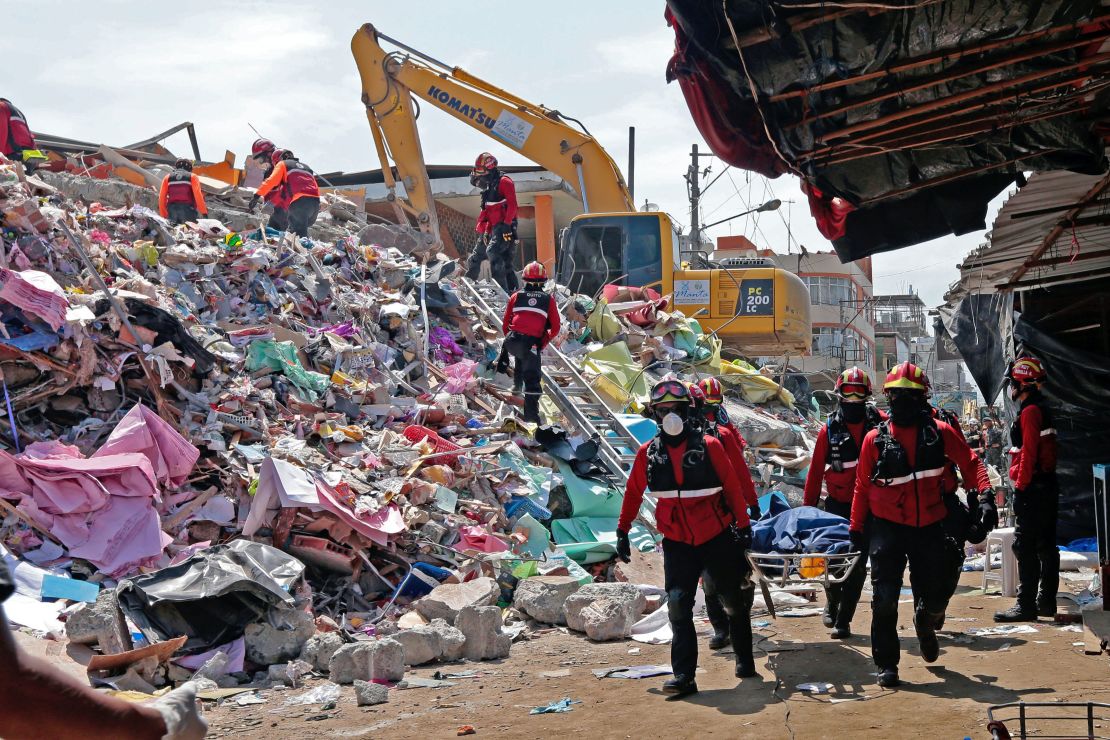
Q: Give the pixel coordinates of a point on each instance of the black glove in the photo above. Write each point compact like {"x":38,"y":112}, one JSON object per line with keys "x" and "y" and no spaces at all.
{"x":754,"y":513}
{"x":743,"y":536}
{"x":253,"y":205}
{"x":502,"y":233}
{"x":624,"y":547}
{"x":988,"y":511}
{"x":858,"y":540}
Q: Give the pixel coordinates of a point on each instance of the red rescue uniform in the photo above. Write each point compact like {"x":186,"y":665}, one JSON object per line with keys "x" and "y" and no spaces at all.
{"x":295,"y":180}
{"x":734,"y":448}
{"x":1037,"y":453}
{"x":15,"y":135}
{"x":532,"y":313}
{"x":915,"y":499}
{"x":499,"y":206}
{"x":690,"y":516}
{"x":181,"y":186}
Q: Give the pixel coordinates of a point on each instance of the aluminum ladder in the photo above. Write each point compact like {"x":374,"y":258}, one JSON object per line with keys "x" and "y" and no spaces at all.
{"x":571,"y":392}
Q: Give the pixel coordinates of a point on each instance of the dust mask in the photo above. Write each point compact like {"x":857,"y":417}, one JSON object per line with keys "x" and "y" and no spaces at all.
{"x":672,"y":424}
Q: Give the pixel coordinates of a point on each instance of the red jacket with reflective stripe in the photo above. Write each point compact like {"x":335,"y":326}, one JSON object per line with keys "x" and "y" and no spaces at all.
{"x":540,"y":320}
{"x":693,"y":520}
{"x":839,"y":485}
{"x":917,"y":502}
{"x":734,"y":448}
{"x":1037,"y":453}
{"x":14,"y":132}
{"x":500,"y":211}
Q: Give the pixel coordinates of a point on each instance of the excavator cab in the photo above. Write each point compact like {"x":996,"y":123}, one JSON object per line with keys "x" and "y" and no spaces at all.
{"x":621,"y":248}
{"x":754,"y":306}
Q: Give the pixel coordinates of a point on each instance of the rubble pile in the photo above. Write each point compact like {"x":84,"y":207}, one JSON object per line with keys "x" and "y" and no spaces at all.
{"x":243,"y":457}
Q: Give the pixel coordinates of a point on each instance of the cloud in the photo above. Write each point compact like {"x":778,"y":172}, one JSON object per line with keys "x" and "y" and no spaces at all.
{"x":637,"y":54}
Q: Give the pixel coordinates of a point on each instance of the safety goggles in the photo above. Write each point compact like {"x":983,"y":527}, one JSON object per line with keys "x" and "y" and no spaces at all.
{"x":853,"y":392}
{"x":674,"y":389}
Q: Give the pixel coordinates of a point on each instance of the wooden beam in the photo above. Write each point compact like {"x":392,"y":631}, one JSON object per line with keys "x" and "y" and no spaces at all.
{"x":1053,"y":235}
{"x":936,"y":58}
{"x":960,"y":98}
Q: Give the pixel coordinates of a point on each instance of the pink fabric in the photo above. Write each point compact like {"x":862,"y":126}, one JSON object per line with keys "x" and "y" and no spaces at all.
{"x":376,"y":527}
{"x":36,"y":293}
{"x":101,"y":509}
{"x":236,"y":651}
{"x":476,"y":538}
{"x":143,"y":431}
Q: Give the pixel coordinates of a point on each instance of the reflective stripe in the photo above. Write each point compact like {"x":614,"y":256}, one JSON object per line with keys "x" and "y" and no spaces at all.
{"x":693,"y":493}
{"x":1046,"y":432}
{"x":540,"y":311}
{"x":932,"y":473}
{"x":1015,"y":450}
{"x":844,"y":466}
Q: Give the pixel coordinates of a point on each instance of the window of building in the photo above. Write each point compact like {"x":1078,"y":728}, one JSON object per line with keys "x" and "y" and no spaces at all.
{"x":847,"y":345}
{"x":829,"y":291}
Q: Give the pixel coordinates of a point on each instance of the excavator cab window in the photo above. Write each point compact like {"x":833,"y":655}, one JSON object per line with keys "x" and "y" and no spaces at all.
{"x":625,"y":250}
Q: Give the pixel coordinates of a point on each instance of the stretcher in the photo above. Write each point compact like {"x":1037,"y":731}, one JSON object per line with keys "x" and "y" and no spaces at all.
{"x":787,"y":570}
{"x":1048,"y":720}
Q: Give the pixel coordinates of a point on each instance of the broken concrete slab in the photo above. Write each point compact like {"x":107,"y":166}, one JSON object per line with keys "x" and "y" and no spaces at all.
{"x":445,"y":601}
{"x":368,"y":694}
{"x":378,"y":659}
{"x":604,"y":611}
{"x":100,"y":623}
{"x":319,"y":648}
{"x":267,"y":644}
{"x":542,"y":597}
{"x":481,"y":625}
{"x":431,"y":642}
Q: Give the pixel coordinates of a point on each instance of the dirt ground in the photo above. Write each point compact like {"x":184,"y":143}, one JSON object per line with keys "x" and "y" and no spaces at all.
{"x":948,"y":699}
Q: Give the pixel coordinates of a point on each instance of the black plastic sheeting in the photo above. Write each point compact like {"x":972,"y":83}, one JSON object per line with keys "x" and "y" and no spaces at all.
{"x":979,"y":325}
{"x":1078,"y":394}
{"x":710,"y":69}
{"x":212,"y":596}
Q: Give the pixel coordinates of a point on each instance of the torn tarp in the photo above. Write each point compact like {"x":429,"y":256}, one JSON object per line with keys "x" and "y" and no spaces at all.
{"x":143,"y":431}
{"x":212,"y":596}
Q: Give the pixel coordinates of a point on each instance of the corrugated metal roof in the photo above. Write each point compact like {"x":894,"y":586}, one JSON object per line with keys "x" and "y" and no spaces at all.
{"x":1080,"y":252}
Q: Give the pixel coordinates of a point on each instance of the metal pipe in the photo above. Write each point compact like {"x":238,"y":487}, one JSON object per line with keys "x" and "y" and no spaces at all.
{"x":582,"y":187}
{"x":632,"y":163}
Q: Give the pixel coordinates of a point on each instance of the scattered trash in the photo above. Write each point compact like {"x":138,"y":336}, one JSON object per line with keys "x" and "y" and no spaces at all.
{"x":563,"y":705}
{"x":815,"y":688}
{"x":323,"y":694}
{"x":466,"y":730}
{"x":556,"y":674}
{"x":634,"y":672}
{"x":244,"y":700}
{"x":1008,"y":629}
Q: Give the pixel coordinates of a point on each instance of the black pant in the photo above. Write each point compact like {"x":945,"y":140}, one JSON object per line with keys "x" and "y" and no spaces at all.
{"x":279,"y":219}
{"x":525,"y":352}
{"x":1035,"y":510}
{"x":955,"y":525}
{"x":179,"y":213}
{"x":501,"y":264}
{"x":892,"y":545}
{"x":843,"y":597}
{"x":302,"y":214}
{"x":723,"y":561}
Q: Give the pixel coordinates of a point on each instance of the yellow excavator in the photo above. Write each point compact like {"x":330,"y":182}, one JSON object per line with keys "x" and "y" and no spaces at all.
{"x":752,"y":305}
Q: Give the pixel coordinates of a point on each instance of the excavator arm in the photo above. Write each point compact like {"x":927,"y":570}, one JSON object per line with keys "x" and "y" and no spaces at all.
{"x":390,"y":80}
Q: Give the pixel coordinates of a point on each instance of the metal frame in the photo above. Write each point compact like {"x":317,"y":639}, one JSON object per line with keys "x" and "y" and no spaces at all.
{"x":837,"y":568}
{"x":999,"y":730}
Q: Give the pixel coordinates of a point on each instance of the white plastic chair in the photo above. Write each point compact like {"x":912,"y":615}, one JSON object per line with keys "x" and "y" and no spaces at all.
{"x":1008,"y":578}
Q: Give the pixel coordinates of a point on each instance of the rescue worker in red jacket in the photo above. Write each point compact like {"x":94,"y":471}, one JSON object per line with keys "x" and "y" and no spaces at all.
{"x":298,"y":190}
{"x":180,"y":198}
{"x":898,"y":485}
{"x":262,"y":152}
{"x":15,"y":134}
{"x":835,"y":455}
{"x":703,"y":518}
{"x":1036,"y":495}
{"x":496,"y":224}
{"x":531,"y":321}
{"x":707,"y":398}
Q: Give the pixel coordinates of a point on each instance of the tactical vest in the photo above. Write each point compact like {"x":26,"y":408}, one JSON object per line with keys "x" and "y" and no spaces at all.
{"x":180,"y":188}
{"x":299,"y":180}
{"x":532,"y":301}
{"x":893,"y":466}
{"x":843,"y":449}
{"x":19,"y":133}
{"x":1048,"y":433}
{"x":699,"y":477}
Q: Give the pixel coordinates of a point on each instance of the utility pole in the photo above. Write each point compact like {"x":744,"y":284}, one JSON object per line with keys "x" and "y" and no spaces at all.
{"x":692,"y":176}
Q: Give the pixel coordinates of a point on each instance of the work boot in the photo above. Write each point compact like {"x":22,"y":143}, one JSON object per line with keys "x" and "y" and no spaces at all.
{"x":1016,"y":613}
{"x":842,"y":633}
{"x":680,"y":686}
{"x":926,"y":637}
{"x":1046,"y":608}
{"x":828,"y":616}
{"x":888,"y":678}
{"x":719,"y":640}
{"x":745,"y":667}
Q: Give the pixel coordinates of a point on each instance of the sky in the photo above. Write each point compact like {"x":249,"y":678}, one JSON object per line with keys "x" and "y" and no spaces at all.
{"x":129,"y":70}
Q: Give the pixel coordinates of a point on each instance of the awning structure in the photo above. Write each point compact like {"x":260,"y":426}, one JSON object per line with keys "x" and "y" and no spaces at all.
{"x":903,"y":118}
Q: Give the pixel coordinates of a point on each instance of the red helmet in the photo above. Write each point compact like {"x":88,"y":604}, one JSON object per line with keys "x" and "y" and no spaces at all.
{"x":262,"y":147}
{"x":853,"y":384}
{"x":697,"y":395}
{"x":535,"y":272}
{"x":907,"y":375}
{"x":277,"y":155}
{"x":711,"y":388}
{"x":484,"y":163}
{"x":1026,"y":371}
